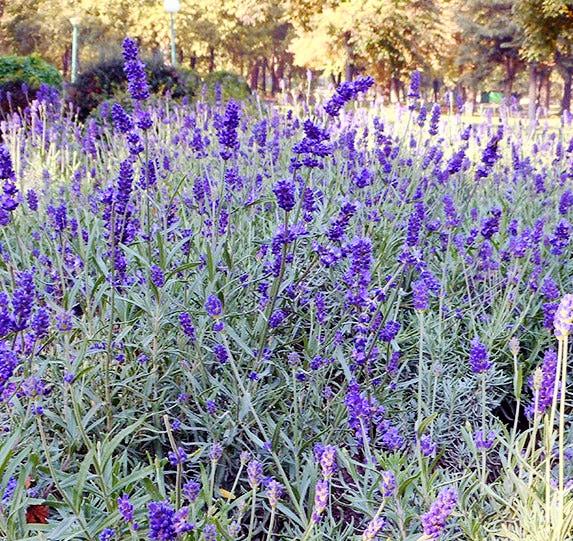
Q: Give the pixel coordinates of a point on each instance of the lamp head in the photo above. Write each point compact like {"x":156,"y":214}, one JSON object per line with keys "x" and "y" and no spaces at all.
{"x":171,"y":6}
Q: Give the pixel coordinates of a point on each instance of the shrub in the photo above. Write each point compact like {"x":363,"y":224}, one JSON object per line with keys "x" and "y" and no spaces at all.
{"x":20,"y":79}
{"x":106,"y":80}
{"x":232,"y":85}
{"x":31,"y":70}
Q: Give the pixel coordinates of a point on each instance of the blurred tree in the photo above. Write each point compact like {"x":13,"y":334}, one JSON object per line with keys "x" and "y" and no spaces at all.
{"x":489,"y":37}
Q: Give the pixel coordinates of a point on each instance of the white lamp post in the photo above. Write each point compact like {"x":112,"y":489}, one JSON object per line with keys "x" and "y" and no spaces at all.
{"x":172,"y":7}
{"x":75,"y":22}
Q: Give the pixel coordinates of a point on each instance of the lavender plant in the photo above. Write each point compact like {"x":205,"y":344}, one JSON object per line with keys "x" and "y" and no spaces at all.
{"x":222,"y":321}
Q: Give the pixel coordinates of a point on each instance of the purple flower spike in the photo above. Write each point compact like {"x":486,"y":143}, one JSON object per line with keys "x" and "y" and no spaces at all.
{"x":479,"y":357}
{"x":321,"y":494}
{"x":213,"y":306}
{"x":388,"y":484}
{"x":373,"y":529}
{"x":134,"y":70}
{"x":564,"y":317}
{"x":434,"y":521}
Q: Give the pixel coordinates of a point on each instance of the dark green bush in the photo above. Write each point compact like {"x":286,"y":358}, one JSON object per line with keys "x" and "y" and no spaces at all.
{"x":231,"y":84}
{"x":31,"y":70}
{"x":106,"y":80}
{"x":20,"y":79}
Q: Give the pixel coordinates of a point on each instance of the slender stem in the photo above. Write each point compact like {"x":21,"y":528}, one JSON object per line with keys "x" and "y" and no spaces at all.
{"x":253,"y":509}
{"x":562,"y":431}
{"x":421,"y":368}
{"x":483,"y":427}
{"x":179,"y":472}
{"x":271,"y":524}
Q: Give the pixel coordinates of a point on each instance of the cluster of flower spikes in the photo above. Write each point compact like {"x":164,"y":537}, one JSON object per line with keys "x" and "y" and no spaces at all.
{"x":9,"y":200}
{"x":345,"y":93}
{"x":312,"y":149}
{"x":165,"y":523}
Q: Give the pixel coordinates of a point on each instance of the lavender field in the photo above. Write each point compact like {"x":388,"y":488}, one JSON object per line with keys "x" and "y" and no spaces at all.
{"x":226,"y":320}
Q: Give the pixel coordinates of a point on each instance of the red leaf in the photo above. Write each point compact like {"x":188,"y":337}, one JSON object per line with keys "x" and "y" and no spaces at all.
{"x":37,"y":514}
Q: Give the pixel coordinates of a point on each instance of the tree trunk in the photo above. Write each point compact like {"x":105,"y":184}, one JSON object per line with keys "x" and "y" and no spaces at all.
{"x":510,"y":72}
{"x":532,"y":109}
{"x":436,"y":90}
{"x":264,"y":76}
{"x":394,"y":90}
{"x":254,"y":77}
{"x":566,"y":99}
{"x":348,"y":69}
{"x":274,"y":78}
{"x":547,"y":91}
{"x":211,"y":59}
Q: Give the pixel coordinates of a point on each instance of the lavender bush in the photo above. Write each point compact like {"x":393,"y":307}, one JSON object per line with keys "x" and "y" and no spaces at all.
{"x":227,"y":321}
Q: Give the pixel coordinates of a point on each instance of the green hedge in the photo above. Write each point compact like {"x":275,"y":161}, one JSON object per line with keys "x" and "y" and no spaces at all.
{"x":31,"y":70}
{"x":232,"y":85}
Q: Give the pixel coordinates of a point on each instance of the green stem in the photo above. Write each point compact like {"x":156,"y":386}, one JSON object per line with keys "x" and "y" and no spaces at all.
{"x":253,"y":509}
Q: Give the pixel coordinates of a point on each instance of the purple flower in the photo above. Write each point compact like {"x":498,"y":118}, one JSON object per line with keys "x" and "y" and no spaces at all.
{"x":107,"y":535}
{"x":181,"y":524}
{"x":191,"y":490}
{"x":327,"y":459}
{"x":490,"y":155}
{"x":346,"y":92}
{"x":277,"y":317}
{"x":420,"y":295}
{"x":373,"y":529}
{"x":390,"y":331}
{"x":560,"y":239}
{"x":490,"y":226}
{"x":434,"y":120}
{"x":549,"y":288}
{"x":32,"y":198}
{"x":177,"y":457}
{"x":274,"y":492}
{"x":415,"y":82}
{"x":134,"y":70}
{"x":479,"y":357}
{"x":564,"y":317}
{"x":484,"y":441}
{"x":227,"y":131}
{"x":216,"y":452}
{"x":8,"y":363}
{"x":221,"y":353}
{"x":566,"y":202}
{"x":388,"y":484}
{"x":121,"y":120}
{"x":434,"y":521}
{"x":255,"y":473}
{"x":543,"y":384}
{"x":284,"y":192}
{"x":210,"y":533}
{"x":161,"y":521}
{"x":9,"y":491}
{"x":213,"y":306}
{"x":157,"y":276}
{"x":321,"y":494}
{"x":125,"y":508}
{"x":187,"y":325}
{"x":427,"y":446}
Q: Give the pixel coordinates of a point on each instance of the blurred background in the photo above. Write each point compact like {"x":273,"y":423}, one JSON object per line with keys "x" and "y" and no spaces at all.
{"x":476,"y":53}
